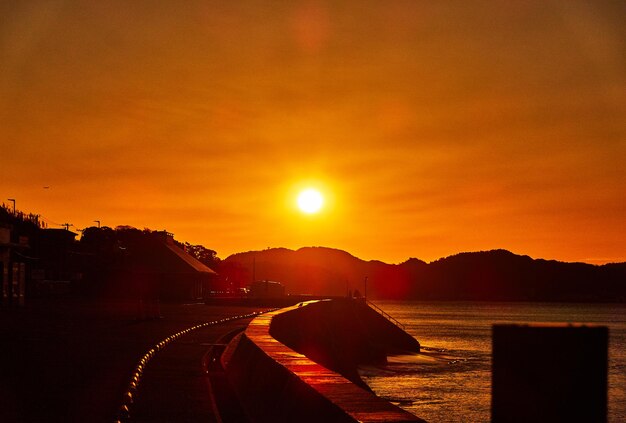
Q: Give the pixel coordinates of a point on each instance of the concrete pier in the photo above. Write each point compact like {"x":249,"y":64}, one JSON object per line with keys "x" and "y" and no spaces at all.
{"x":276,"y":383}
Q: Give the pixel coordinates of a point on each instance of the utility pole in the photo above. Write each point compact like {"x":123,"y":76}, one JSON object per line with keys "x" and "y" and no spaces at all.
{"x":67,"y":226}
{"x":13,"y":200}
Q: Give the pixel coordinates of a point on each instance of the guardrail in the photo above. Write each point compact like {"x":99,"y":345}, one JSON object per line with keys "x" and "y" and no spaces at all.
{"x":385,"y":314}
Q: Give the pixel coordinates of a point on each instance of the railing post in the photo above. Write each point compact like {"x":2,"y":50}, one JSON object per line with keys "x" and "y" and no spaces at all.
{"x":385,"y":314}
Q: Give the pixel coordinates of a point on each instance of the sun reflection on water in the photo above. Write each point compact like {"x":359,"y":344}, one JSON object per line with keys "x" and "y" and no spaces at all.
{"x":450,"y":380}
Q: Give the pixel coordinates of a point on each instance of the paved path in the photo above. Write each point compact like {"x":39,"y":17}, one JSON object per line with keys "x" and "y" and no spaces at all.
{"x":175,"y":386}
{"x":70,"y":360}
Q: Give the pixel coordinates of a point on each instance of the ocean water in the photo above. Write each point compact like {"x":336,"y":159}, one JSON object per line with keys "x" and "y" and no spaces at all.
{"x":450,"y":381}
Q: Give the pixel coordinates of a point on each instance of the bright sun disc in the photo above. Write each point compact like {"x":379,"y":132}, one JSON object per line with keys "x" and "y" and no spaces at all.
{"x":310,"y":201}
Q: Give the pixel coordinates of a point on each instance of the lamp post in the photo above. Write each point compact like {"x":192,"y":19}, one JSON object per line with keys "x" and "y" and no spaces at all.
{"x":13,"y":200}
{"x":98,"y":222}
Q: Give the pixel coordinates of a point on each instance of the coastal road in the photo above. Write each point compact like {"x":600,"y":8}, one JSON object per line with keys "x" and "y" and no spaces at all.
{"x":184,"y":382}
{"x":70,"y":360}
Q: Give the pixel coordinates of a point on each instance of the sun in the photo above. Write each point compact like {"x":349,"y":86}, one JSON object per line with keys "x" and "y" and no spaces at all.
{"x":310,"y":201}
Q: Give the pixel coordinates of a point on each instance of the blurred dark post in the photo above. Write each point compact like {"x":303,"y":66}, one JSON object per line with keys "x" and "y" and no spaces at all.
{"x":549,"y":373}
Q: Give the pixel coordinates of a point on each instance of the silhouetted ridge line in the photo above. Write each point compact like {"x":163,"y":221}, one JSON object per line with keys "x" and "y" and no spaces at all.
{"x":496,"y":275}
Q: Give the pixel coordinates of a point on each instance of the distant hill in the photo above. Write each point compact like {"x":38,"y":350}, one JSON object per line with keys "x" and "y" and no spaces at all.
{"x":496,"y":275}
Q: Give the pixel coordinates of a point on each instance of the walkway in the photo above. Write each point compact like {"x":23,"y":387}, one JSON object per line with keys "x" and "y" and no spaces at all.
{"x":175,"y":385}
{"x":70,"y":360}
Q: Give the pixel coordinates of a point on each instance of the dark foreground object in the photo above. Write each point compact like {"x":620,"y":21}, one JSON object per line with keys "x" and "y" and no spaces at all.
{"x":549,"y":373}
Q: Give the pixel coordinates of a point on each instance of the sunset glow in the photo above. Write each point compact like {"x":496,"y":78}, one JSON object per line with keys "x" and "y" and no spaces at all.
{"x":438,"y":127}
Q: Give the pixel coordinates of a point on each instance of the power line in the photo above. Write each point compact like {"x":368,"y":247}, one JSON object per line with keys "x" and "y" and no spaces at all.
{"x":50,"y":222}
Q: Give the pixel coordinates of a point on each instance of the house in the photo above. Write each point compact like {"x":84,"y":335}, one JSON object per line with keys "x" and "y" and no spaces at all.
{"x":12,"y":267}
{"x":157,"y":268}
{"x":56,"y":267}
{"x":34,"y":260}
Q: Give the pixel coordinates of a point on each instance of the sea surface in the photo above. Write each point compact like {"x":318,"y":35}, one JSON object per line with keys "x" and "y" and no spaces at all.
{"x":450,"y":380}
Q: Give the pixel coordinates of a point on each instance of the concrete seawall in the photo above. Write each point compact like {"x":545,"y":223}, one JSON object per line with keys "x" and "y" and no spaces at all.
{"x":275,"y":381}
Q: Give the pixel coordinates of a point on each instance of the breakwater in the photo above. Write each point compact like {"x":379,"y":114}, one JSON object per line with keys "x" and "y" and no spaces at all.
{"x":299,"y":363}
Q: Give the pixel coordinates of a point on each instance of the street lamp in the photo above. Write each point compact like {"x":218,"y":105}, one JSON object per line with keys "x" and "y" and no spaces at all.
{"x":98,"y":222}
{"x":13,"y":200}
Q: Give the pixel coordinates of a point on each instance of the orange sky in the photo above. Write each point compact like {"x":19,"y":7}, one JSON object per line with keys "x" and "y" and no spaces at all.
{"x":431,"y":128}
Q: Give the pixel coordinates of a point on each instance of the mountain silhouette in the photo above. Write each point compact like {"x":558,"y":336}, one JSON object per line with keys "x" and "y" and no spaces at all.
{"x":496,"y":275}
